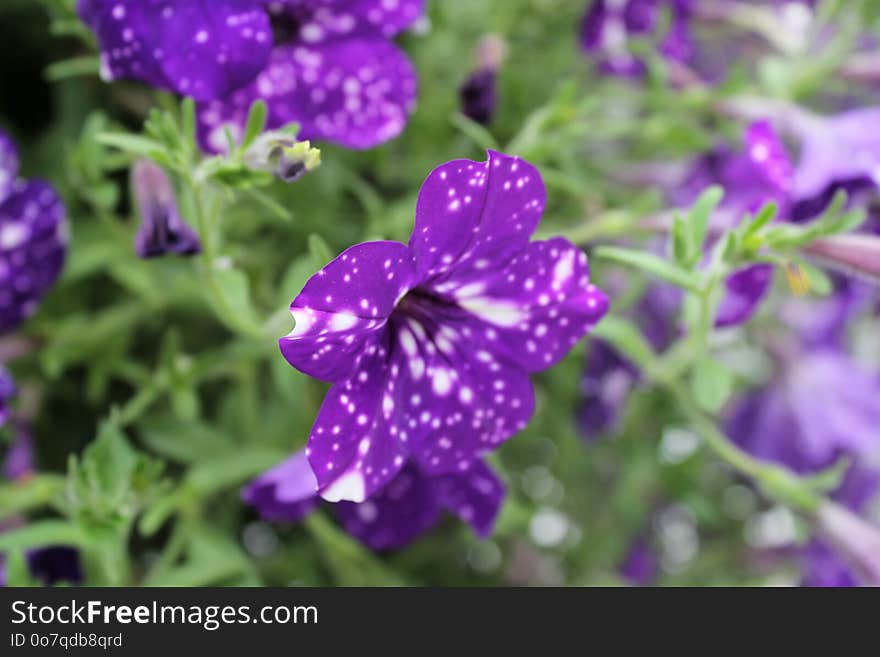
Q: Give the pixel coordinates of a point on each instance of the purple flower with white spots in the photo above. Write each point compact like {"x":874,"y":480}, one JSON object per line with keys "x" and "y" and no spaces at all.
{"x":181,"y":45}
{"x":162,"y":229}
{"x":7,"y":392}
{"x":430,"y":345}
{"x":33,"y":240}
{"x":333,"y":70}
{"x":759,"y":174}
{"x":410,"y":504}
{"x":608,"y":26}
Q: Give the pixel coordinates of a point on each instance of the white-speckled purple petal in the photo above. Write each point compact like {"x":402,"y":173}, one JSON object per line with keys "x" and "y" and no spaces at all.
{"x":355,"y":92}
{"x":344,"y":308}
{"x":181,"y":45}
{"x":475,"y":496}
{"x":33,"y":243}
{"x":536,"y":306}
{"x":471,"y":214}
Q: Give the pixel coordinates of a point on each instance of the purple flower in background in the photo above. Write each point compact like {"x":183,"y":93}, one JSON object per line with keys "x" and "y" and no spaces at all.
{"x":19,"y":463}
{"x":162,"y":229}
{"x":410,"y":504}
{"x":608,"y":26}
{"x":479,"y":93}
{"x":33,"y":239}
{"x":55,"y":564}
{"x":430,"y":345}
{"x":333,"y":69}
{"x":181,"y":45}
{"x":7,"y":392}
{"x":759,"y":174}
{"x":822,"y":407}
{"x":47,"y":565}
{"x":640,"y":566}
{"x":838,"y":152}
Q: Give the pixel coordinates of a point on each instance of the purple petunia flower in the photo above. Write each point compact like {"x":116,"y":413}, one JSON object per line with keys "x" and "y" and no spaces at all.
{"x":640,"y":567}
{"x":837,"y":152}
{"x":162,"y":229}
{"x":333,"y":69}
{"x":759,"y":174}
{"x":48,"y":565}
{"x":479,"y":93}
{"x":181,"y":45}
{"x":7,"y":392}
{"x":33,"y":239}
{"x":407,"y":506}
{"x":608,"y":25}
{"x":823,"y":405}
{"x":429,"y":345}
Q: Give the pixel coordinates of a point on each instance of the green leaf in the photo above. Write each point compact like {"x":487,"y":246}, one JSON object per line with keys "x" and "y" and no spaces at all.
{"x":475,"y":132}
{"x":42,"y":533}
{"x":699,"y":218}
{"x":711,"y":384}
{"x":134,"y":145}
{"x":626,"y":338}
{"x":185,"y":443}
{"x":321,"y":253}
{"x":651,"y":264}
{"x":256,"y":123}
{"x":235,"y":300}
{"x":231,"y":470}
{"x":188,"y":122}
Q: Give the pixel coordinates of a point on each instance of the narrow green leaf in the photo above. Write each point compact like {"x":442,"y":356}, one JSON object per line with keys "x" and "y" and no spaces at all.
{"x":256,"y":122}
{"x":650,"y":264}
{"x":711,"y":384}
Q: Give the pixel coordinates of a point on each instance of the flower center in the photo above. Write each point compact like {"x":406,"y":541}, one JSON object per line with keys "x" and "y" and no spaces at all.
{"x":286,"y":24}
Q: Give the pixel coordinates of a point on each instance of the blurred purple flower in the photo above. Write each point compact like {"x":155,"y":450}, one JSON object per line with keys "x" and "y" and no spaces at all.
{"x":181,"y":45}
{"x":19,"y":463}
{"x":7,"y":392}
{"x":429,"y":346}
{"x":49,"y":565}
{"x":822,"y":405}
{"x":162,"y":229}
{"x":410,"y":504}
{"x":609,"y":24}
{"x":33,"y":240}
{"x":821,"y":408}
{"x":837,"y":152}
{"x":640,"y":566}
{"x":333,"y":69}
{"x":479,"y":93}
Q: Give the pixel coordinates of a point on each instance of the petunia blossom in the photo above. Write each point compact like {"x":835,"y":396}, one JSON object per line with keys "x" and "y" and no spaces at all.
{"x":181,"y":45}
{"x":333,"y":69}
{"x":162,"y":229}
{"x":33,"y":239}
{"x":430,"y":345}
{"x":608,"y":26}
{"x":406,"y":507}
{"x":48,"y":565}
